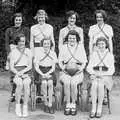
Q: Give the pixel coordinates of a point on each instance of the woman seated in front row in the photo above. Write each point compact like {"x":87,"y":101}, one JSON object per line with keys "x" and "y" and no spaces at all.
{"x":101,"y":69}
{"x":45,"y":60}
{"x":72,"y":60}
{"x":20,"y":66}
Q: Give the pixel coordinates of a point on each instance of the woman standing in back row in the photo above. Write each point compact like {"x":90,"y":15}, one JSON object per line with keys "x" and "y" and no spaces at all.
{"x":40,"y":31}
{"x":101,"y":29}
{"x":10,"y":39}
{"x":71,"y":17}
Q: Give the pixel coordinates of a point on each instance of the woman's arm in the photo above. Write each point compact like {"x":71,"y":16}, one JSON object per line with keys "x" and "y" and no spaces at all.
{"x":91,"y":64}
{"x":27,"y":34}
{"x":81,"y":36}
{"x":36,"y":65}
{"x":55,"y":60}
{"x":52,"y":38}
{"x":61,"y":58}
{"x":7,"y":41}
{"x":110,"y":65}
{"x":60,"y":43}
{"x":90,"y":34}
{"x":32,"y":41}
{"x":12,"y":62}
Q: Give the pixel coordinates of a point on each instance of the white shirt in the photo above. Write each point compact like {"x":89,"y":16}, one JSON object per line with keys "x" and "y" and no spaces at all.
{"x":95,"y":60}
{"x":78,"y":53}
{"x":95,"y":33}
{"x":49,"y":60}
{"x":39,"y":32}
{"x":24,"y":61}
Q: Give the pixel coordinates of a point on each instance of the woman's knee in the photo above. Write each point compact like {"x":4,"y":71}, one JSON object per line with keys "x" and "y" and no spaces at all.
{"x":94,"y":84}
{"x":18,"y":81}
{"x":101,"y":85}
{"x":50,"y":83}
{"x":44,"y":84}
{"x":73,"y":85}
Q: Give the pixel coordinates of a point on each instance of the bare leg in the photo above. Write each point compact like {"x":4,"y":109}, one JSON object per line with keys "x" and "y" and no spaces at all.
{"x":44,"y":91}
{"x":94,"y":95}
{"x":50,"y":92}
{"x":100,"y":96}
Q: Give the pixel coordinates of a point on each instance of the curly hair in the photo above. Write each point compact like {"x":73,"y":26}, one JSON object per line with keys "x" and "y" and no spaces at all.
{"x":72,"y":32}
{"x":18,"y":38}
{"x":70,"y":13}
{"x":104,"y":14}
{"x":104,"y":40}
{"x":51,"y":43}
{"x":19,"y":14}
{"x":41,"y":12}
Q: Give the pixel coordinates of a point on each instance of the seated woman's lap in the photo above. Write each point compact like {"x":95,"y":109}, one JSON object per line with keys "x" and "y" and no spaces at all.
{"x":74,"y":80}
{"x":22,"y":81}
{"x":104,"y":80}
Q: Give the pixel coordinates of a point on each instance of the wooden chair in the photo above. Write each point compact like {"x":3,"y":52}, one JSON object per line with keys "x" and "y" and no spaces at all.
{"x":36,"y":94}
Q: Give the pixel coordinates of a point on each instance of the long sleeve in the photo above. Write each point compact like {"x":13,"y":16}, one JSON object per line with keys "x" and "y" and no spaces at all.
{"x":81,"y":36}
{"x":27,"y":34}
{"x":83,"y":56}
{"x":60,"y":58}
{"x":52,"y":38}
{"x":60,"y":39}
{"x":91,"y":64}
{"x":90,"y":40}
{"x":32,"y":41}
{"x":110,"y":39}
{"x":7,"y":41}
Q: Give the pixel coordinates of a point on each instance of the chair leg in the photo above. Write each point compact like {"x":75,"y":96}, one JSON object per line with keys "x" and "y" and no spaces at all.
{"x":108,"y":98}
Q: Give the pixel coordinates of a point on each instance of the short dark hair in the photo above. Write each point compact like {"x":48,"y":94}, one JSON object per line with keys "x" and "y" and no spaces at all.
{"x":18,"y":38}
{"x":70,"y":13}
{"x":51,"y":43}
{"x":18,"y":14}
{"x":104,"y":40}
{"x":104,"y":14}
{"x":72,"y":32}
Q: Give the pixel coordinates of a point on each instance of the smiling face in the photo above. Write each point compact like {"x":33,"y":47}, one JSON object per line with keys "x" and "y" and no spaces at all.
{"x":21,"y":42}
{"x":72,"y":40}
{"x":46,"y":44}
{"x":72,"y":20}
{"x":18,"y":21}
{"x":99,"y":18}
{"x":101,"y":45}
{"x":41,"y":18}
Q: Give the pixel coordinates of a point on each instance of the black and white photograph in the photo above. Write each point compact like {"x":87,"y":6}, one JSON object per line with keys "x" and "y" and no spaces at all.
{"x":59,"y":59}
